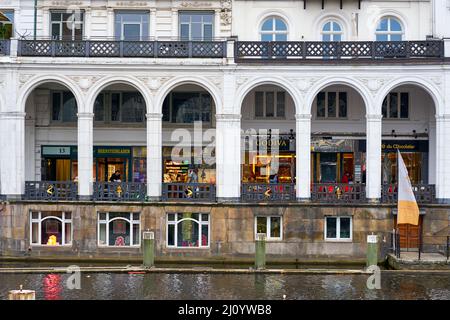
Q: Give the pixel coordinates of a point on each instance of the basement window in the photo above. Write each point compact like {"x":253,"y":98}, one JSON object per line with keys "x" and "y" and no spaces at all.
{"x":338,"y":228}
{"x":51,"y":228}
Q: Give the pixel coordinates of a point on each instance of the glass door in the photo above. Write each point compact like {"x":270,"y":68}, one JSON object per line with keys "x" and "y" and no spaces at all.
{"x":328,"y":167}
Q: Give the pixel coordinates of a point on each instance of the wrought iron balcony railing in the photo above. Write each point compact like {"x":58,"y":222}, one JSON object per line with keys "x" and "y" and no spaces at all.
{"x":189,"y":192}
{"x":424,"y":193}
{"x":109,"y":48}
{"x":119,"y":191}
{"x":261,"y":192}
{"x":51,"y":190}
{"x":304,"y":50}
{"x":338,"y":193}
{"x":4,"y":47}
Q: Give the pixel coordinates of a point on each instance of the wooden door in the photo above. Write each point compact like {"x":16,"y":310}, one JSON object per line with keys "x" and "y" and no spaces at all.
{"x":409,"y":235}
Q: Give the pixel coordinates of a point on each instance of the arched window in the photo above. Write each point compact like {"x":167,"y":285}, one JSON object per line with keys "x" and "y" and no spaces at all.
{"x":274,"y":29}
{"x":332,"y":31}
{"x":119,"y":229}
{"x":389,"y":29}
{"x":187,"y":230}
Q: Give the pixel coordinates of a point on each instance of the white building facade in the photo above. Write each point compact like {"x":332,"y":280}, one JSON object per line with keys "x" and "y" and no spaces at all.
{"x":89,"y":87}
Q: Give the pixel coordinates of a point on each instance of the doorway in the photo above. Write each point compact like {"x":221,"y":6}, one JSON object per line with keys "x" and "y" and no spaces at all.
{"x":409,"y":235}
{"x":107,"y":166}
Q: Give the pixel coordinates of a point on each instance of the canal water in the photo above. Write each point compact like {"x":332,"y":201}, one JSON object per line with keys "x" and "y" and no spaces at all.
{"x":173,"y":286}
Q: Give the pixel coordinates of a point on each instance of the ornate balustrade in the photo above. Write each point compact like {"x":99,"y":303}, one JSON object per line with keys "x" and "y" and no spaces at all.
{"x":51,"y":190}
{"x":5,"y":47}
{"x":261,"y":192}
{"x":303,"y":50}
{"x":119,"y":191}
{"x":120,"y":49}
{"x":189,"y":192}
{"x":338,"y":193}
{"x":424,"y":193}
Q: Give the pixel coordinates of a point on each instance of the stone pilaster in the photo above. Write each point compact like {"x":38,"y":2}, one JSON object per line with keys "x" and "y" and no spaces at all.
{"x":303,"y":158}
{"x":154,"y":155}
{"x":373,"y":157}
{"x":85,"y":155}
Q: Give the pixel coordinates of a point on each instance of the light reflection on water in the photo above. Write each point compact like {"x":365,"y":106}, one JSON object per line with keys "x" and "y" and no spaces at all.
{"x":172,"y":286}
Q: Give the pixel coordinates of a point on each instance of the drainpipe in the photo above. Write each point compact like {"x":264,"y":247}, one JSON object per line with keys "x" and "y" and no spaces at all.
{"x":35,"y":19}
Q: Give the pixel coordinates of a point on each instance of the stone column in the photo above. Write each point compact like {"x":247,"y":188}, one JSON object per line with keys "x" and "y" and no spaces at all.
{"x":154,"y":155}
{"x":175,"y":31}
{"x":373,"y":157}
{"x":443,"y":158}
{"x":152,"y":23}
{"x":228,"y":156}
{"x":12,"y":140}
{"x":303,"y":156}
{"x":85,"y":155}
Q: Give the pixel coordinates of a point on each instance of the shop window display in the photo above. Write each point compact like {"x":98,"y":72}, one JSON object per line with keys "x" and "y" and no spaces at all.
{"x":187,"y":230}
{"x":119,"y":229}
{"x":51,"y":228}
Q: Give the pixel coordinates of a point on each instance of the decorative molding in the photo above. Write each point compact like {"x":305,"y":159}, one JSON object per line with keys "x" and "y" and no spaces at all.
{"x":374,"y":84}
{"x":226,"y":8}
{"x":23,"y":78}
{"x":196,"y":4}
{"x":85,"y":82}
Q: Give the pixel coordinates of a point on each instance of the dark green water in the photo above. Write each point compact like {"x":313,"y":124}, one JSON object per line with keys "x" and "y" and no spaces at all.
{"x":230,"y":286}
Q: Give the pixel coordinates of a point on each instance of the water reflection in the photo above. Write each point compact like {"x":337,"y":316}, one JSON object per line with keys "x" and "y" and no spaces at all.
{"x":173,"y":286}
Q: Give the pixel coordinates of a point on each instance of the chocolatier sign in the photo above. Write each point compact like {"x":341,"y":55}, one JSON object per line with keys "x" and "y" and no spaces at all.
{"x":402,"y":145}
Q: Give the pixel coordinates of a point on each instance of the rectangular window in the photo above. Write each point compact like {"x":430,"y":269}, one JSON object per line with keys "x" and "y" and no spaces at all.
{"x":50,"y":228}
{"x":6,"y":24}
{"x":271,"y":226}
{"x":396,"y":105}
{"x":187,"y":107}
{"x":187,"y":230}
{"x":67,"y":25}
{"x":119,"y":229}
{"x":331,"y":105}
{"x":64,"y":107}
{"x":132,"y":25}
{"x":338,"y":228}
{"x":196,"y":25}
{"x":270,"y":104}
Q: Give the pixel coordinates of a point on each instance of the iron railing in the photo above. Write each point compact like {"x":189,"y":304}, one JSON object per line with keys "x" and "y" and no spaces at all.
{"x":261,"y":192}
{"x":424,"y":193}
{"x":338,"y":193}
{"x":119,"y":191}
{"x":5,"y":47}
{"x":303,"y":50}
{"x":189,"y":192}
{"x":111,"y":48}
{"x":51,"y":190}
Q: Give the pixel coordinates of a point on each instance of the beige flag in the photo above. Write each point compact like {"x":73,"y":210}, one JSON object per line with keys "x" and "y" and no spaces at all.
{"x":408,"y":211}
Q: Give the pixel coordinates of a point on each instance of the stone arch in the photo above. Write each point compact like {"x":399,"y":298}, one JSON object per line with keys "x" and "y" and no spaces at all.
{"x":127,"y":80}
{"x":32,"y":84}
{"x":167,"y":87}
{"x":276,"y":81}
{"x":415,"y":81}
{"x":352,"y":83}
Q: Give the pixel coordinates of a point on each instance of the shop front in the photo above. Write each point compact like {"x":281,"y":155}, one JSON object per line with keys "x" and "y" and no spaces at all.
{"x":265,"y":162}
{"x":59,"y":163}
{"x":414,"y":154}
{"x":337,"y":161}
{"x":189,"y":165}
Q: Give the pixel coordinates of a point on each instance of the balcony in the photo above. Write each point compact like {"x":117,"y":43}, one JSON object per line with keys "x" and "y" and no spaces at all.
{"x":189,"y":192}
{"x":121,"y":49}
{"x":338,"y":193}
{"x":5,"y":47}
{"x":268,"y":192}
{"x":119,"y":191}
{"x":254,"y":51}
{"x":51,"y":190}
{"x":424,"y":193}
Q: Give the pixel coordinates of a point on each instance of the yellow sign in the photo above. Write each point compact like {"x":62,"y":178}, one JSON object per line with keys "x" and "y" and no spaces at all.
{"x":50,"y":189}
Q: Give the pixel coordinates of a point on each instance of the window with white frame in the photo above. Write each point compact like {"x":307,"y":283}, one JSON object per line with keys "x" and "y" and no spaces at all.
{"x":132,"y":25}
{"x":270,"y":104}
{"x":331,"y":31}
{"x":187,"y":230}
{"x":50,"y":228}
{"x":119,"y":229}
{"x":389,"y":29}
{"x":274,"y":29}
{"x":67,"y":25}
{"x":396,"y":105}
{"x":64,"y":106}
{"x":331,"y":104}
{"x":6,"y":24}
{"x":338,"y":228}
{"x":196,"y":25}
{"x":271,"y":226}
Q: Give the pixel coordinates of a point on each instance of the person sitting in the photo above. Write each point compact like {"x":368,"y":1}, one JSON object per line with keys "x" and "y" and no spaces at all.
{"x":115,"y":177}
